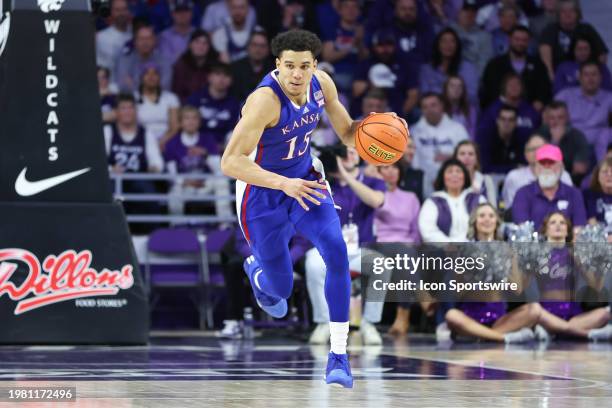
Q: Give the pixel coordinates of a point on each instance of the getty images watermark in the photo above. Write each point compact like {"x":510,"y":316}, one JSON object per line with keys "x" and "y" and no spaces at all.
{"x":486,"y":271}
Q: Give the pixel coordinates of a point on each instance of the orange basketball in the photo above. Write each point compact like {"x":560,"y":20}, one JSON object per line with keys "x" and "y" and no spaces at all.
{"x":381,"y":139}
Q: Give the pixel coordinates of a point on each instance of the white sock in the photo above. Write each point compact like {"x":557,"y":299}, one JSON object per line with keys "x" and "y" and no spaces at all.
{"x":338,"y":336}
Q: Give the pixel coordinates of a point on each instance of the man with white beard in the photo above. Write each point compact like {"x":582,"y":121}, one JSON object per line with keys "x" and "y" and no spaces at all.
{"x":547,"y":194}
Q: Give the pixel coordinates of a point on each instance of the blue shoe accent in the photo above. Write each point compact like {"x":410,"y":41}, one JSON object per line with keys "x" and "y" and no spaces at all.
{"x":272,"y":305}
{"x":338,"y":370}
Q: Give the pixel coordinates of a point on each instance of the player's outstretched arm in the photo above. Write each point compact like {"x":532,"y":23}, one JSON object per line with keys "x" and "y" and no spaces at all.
{"x":261,"y":110}
{"x":340,"y":119}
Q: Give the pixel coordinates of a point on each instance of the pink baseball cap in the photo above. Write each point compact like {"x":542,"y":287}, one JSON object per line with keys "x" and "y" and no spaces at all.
{"x":549,"y":152}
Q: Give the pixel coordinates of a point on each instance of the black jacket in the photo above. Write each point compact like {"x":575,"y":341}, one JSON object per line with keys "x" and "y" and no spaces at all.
{"x":537,"y":85}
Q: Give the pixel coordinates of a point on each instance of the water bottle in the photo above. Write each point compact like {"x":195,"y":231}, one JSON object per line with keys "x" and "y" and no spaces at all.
{"x":247,"y":329}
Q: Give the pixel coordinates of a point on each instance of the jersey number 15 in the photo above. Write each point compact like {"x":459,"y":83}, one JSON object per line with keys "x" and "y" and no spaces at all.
{"x":292,"y":143}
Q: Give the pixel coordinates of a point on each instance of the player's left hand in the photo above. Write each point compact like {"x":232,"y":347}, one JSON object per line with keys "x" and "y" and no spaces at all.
{"x":395,"y":115}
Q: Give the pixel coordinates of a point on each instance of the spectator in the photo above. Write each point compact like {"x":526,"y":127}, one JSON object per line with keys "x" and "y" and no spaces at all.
{"x":247,"y":72}
{"x":537,"y":200}
{"x":476,"y":44}
{"x":218,"y":12}
{"x":548,"y":15}
{"x":489,"y":18}
{"x":190,"y":72}
{"x":557,"y":37}
{"x":397,"y":219}
{"x":299,"y":14}
{"x":502,"y":147}
{"x":343,"y":44}
{"x":358,"y":196}
{"x":568,"y":72}
{"x":435,"y":137}
{"x":500,"y":37}
{"x":558,"y":131}
{"x":586,"y":181}
{"x":467,"y":152}
{"x":129,"y":66}
{"x":108,"y":95}
{"x":457,"y":106}
{"x":445,"y":215}
{"x":232,"y":38}
{"x":447,"y":61}
{"x":110,"y":41}
{"x":385,"y":70}
{"x":528,"y":119}
{"x":129,"y":147}
{"x":219,"y":110}
{"x":174,"y":40}
{"x":191,"y":152}
{"x":590,"y":108}
{"x":412,"y":179}
{"x":517,"y":61}
{"x":442,"y":12}
{"x":414,"y":34}
{"x":397,"y":222}
{"x":598,"y":198}
{"x":522,"y":176}
{"x":157,"y":109}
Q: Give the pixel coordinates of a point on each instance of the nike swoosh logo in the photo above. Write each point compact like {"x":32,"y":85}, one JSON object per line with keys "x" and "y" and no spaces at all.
{"x":26,"y":188}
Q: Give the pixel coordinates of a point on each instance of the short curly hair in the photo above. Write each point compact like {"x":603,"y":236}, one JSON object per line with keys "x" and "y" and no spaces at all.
{"x":296,"y":40}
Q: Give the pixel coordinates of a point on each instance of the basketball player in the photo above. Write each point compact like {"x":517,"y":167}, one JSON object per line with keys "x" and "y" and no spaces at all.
{"x":281,"y":187}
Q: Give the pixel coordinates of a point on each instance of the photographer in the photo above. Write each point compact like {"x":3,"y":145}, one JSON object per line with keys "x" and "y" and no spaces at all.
{"x":358,"y":196}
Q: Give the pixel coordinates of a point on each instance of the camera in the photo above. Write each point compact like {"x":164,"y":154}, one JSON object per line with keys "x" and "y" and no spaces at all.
{"x":328,"y":154}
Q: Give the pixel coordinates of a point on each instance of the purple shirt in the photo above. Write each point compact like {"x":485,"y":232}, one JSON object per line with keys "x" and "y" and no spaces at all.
{"x":353,"y":208}
{"x":527,"y":122}
{"x":219,"y":116}
{"x":566,"y":76}
{"x":398,"y":218}
{"x":178,"y":152}
{"x":432,"y":79}
{"x":599,"y":206}
{"x":531,"y":204}
{"x":172,"y":44}
{"x":590,"y":114}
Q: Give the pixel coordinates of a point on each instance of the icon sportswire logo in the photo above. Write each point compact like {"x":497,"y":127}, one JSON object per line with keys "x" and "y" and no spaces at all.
{"x":5,"y":25}
{"x":63,"y":277}
{"x":50,"y":5}
{"x":26,"y":188}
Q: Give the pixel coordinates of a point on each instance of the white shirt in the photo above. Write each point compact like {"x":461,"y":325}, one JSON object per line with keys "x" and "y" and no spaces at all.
{"x":154,"y":157}
{"x":428,"y":218}
{"x":479,"y":180}
{"x":220,"y":40}
{"x":430,"y":140}
{"x":155,"y":116}
{"x":109,"y":43}
{"x":520,"y":177}
{"x":218,"y":12}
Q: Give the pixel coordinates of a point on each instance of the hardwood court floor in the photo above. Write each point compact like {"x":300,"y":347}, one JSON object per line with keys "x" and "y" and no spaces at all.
{"x":277,"y":371}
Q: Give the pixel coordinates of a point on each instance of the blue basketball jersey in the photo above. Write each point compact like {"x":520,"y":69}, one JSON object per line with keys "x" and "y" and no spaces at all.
{"x":285,"y":148}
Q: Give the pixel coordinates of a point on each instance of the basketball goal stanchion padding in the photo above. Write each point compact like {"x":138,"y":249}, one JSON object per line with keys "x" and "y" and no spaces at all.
{"x":68,"y":270}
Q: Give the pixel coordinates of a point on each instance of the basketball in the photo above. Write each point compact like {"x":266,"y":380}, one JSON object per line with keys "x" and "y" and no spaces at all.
{"x":381,"y":139}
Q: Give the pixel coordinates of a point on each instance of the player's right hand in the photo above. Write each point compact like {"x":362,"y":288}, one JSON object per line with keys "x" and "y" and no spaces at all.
{"x":303,"y":190}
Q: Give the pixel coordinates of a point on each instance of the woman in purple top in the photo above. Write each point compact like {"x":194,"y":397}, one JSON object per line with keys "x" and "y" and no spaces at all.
{"x":487,"y":319}
{"x":447,"y":60}
{"x":566,"y":75}
{"x":468,"y":153}
{"x":556,"y":283}
{"x":456,"y":104}
{"x":190,"y":71}
{"x":598,"y":198}
{"x":397,"y":221}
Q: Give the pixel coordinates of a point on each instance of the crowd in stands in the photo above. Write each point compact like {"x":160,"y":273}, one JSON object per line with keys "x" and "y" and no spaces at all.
{"x":509,"y":105}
